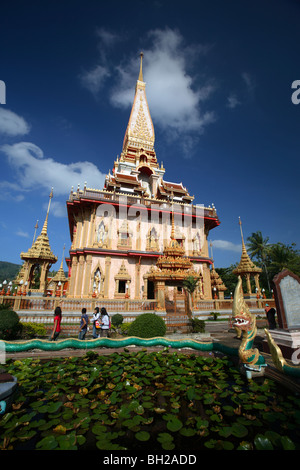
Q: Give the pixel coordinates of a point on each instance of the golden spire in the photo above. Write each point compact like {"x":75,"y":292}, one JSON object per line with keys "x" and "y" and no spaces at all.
{"x":45,"y":226}
{"x":35,"y":227}
{"x":140,"y":130}
{"x":245,"y":265}
{"x":141,"y":68}
{"x":60,"y":275}
{"x":243,"y":244}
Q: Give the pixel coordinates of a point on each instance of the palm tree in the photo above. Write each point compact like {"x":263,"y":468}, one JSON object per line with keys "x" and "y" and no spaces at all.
{"x":190,"y":284}
{"x":258,"y":247}
{"x":284,"y":257}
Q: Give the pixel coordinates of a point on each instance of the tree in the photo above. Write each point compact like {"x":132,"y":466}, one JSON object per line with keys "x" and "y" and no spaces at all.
{"x":258,"y":248}
{"x":190,"y":284}
{"x":284,"y":257}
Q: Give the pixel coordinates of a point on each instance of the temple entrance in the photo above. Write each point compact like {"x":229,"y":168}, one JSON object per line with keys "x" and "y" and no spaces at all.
{"x":175,"y":299}
{"x":150,"y":291}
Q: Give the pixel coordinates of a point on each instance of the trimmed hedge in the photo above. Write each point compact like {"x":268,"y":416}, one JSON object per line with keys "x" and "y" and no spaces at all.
{"x":147,"y":325}
{"x":32,"y":330}
{"x":10,"y":325}
{"x":117,"y":320}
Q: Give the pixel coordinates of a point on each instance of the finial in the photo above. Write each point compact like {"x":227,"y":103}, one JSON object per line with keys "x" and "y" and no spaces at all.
{"x":141,"y":68}
{"x":35,"y":227}
{"x":243,"y":244}
{"x":50,"y":197}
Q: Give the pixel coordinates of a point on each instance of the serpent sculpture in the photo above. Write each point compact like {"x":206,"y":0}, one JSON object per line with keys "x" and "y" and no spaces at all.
{"x":12,"y":346}
{"x":245,"y":322}
{"x":278,"y":359}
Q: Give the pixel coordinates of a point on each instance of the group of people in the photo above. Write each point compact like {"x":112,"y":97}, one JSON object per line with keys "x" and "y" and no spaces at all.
{"x":100,"y":322}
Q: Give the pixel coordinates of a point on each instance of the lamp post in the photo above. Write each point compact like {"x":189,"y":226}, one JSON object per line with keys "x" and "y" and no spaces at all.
{"x":9,"y":288}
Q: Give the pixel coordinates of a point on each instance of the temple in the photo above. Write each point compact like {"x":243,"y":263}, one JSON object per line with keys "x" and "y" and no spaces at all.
{"x":140,"y":235}
{"x":38,"y":260}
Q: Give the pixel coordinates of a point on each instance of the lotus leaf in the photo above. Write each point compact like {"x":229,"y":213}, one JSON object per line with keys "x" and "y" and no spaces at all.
{"x":142,"y":435}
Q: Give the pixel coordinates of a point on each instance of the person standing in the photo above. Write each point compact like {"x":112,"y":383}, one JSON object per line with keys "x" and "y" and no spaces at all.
{"x":83,"y":324}
{"x":96,"y":323}
{"x":57,"y":321}
{"x":104,"y":323}
{"x":270,"y":312}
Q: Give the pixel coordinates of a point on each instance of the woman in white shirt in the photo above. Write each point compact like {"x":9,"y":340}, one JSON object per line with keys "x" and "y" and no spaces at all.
{"x":96,"y":320}
{"x":104,"y":323}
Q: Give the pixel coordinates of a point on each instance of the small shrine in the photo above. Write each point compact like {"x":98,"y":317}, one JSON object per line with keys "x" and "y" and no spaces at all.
{"x":57,"y":283}
{"x":171,"y":269}
{"x":37,"y":262}
{"x":248,"y":269}
{"x":217,"y":285}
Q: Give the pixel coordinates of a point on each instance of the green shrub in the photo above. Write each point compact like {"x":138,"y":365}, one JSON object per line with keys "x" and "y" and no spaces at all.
{"x":215,"y":315}
{"x":10,"y":325}
{"x":198,"y":326}
{"x":117,"y":320}
{"x":147,"y":325}
{"x":125,"y":328}
{"x":32,"y":330}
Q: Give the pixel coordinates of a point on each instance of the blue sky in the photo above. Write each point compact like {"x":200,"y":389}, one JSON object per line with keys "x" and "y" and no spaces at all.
{"x":219,"y":85}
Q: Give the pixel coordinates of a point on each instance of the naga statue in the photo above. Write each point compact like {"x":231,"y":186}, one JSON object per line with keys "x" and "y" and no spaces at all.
{"x":278,"y":359}
{"x":245,"y":323}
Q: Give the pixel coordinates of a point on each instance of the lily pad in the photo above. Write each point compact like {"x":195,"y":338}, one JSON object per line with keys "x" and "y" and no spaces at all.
{"x":48,"y":443}
{"x":174,"y":424}
{"x":142,"y":436}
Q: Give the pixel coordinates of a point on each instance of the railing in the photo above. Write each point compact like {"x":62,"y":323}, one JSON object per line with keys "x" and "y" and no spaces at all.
{"x":39,"y":304}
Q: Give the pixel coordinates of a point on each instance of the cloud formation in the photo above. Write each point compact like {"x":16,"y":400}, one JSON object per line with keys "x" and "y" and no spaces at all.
{"x":226,"y":245}
{"x":28,"y":162}
{"x":175,"y":97}
{"x":11,"y":124}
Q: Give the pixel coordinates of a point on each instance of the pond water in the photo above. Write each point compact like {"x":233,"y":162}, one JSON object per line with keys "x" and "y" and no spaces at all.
{"x":138,"y":401}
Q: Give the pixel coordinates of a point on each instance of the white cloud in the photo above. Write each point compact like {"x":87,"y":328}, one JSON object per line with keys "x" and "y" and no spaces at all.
{"x":232,"y":101}
{"x":21,"y":233}
{"x":11,"y":124}
{"x":226,"y":245}
{"x":174,"y":99}
{"x":249,"y":82}
{"x":58,"y":209}
{"x":33,"y":171}
{"x":95,"y":78}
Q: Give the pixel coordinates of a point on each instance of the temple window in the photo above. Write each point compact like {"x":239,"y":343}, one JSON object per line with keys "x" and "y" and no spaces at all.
{"x":122,"y":282}
{"x":124,"y":236}
{"x":152,"y":243}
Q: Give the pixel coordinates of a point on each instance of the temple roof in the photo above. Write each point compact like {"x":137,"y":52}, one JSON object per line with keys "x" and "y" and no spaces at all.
{"x":40,"y":248}
{"x":245,"y":264}
{"x":140,"y":130}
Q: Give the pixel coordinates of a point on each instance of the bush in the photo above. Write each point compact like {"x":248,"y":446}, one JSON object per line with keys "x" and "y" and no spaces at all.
{"x":117,"y":320}
{"x":32,"y":330}
{"x":214,"y":315}
{"x":198,"y":326}
{"x":147,"y":325}
{"x":125,"y":328}
{"x":10,"y":325}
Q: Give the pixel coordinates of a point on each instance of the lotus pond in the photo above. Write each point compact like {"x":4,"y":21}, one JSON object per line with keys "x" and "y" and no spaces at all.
{"x":141,"y":400}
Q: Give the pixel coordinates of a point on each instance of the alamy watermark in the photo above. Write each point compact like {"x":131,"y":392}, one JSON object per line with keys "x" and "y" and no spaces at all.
{"x":2,"y":92}
{"x":2,"y":352}
{"x":296,"y":94}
